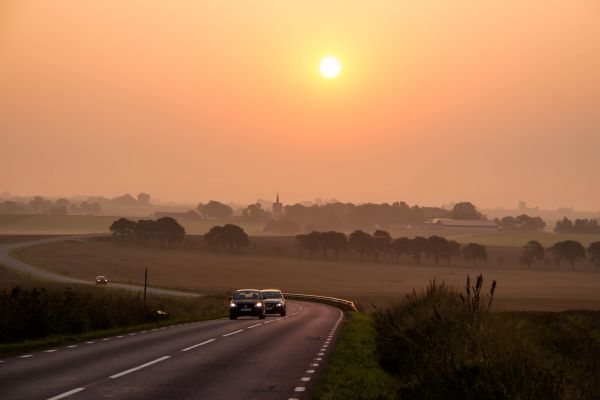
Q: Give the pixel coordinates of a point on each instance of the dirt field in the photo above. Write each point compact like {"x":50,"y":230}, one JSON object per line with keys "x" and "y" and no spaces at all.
{"x":366,"y":283}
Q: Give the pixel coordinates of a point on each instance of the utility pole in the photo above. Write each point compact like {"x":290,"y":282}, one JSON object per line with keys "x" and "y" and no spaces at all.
{"x":145,"y":286}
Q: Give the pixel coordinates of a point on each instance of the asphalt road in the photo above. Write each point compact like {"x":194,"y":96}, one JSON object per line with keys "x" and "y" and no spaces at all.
{"x":276,"y":358}
{"x":35,"y":272}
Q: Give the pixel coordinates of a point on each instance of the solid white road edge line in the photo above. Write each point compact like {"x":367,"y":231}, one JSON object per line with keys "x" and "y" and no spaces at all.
{"x":198,"y":345}
{"x":138,"y":367}
{"x":232,"y":333}
{"x":66,"y":394}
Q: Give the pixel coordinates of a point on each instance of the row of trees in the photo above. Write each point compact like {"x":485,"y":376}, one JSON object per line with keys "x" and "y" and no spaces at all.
{"x":579,"y":226}
{"x":165,"y":231}
{"x":522,"y":222}
{"x":568,"y":250}
{"x":380,"y":243}
{"x":40,"y":205}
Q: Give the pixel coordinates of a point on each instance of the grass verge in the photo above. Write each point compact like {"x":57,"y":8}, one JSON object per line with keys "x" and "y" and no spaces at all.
{"x":353,"y":371}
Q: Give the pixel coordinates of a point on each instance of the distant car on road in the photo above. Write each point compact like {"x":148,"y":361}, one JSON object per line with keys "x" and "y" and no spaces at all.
{"x":274,"y":301}
{"x":101,"y":280}
{"x":247,"y":302}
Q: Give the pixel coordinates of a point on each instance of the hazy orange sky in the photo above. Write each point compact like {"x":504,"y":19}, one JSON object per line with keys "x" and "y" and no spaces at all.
{"x":438,"y":101}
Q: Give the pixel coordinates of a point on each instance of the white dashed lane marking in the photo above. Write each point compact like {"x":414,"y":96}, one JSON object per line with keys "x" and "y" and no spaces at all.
{"x":232,"y":333}
{"x":72,"y":346}
{"x":305,"y":379}
{"x":66,"y":394}
{"x":299,"y":389}
{"x":198,"y":345}
{"x":120,"y":374}
{"x":50,"y":351}
{"x":26,"y":356}
{"x":253,"y":326}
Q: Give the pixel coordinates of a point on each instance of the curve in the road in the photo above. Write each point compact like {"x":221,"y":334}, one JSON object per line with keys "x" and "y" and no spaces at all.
{"x":277,"y":358}
{"x":22,"y":267}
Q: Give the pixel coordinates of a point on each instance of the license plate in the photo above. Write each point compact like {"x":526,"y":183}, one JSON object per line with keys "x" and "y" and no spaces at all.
{"x":245,"y":309}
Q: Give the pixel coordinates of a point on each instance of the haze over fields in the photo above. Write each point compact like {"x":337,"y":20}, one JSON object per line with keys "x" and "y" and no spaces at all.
{"x":436,"y":102}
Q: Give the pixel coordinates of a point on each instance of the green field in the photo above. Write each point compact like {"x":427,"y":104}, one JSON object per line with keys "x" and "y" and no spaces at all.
{"x":365,"y":282}
{"x":518,"y":239}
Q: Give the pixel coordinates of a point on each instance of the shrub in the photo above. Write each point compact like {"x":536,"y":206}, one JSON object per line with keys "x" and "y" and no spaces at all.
{"x":444,"y":344}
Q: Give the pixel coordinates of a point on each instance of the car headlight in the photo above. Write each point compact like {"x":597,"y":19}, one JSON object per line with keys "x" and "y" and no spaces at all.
{"x":233,"y":305}
{"x":258,"y":305}
{"x":279,"y":304}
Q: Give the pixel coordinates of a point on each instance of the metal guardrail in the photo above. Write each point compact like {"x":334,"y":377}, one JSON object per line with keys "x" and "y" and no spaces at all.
{"x":342,"y":303}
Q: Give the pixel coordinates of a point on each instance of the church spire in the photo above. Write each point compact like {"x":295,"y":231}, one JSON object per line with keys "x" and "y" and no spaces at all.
{"x":277,"y":201}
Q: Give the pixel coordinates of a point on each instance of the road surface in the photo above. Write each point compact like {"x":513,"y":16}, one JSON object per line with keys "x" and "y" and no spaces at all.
{"x":276,"y":358}
{"x":35,"y":272}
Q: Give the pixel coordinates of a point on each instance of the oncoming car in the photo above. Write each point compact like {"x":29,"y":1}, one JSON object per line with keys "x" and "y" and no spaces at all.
{"x":101,"y":280}
{"x":274,"y":301}
{"x":247,"y":302}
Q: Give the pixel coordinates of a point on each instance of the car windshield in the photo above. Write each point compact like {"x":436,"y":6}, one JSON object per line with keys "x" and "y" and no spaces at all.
{"x":249,"y":295}
{"x":271,"y":294}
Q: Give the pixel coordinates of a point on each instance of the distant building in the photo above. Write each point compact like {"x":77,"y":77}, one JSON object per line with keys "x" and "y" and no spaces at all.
{"x":277,"y":208}
{"x":462,"y":223}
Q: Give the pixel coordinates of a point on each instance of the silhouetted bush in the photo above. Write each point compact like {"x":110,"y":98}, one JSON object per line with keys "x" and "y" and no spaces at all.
{"x":444,"y":345}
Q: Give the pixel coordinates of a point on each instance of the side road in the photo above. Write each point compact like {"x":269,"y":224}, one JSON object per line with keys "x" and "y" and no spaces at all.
{"x":24,"y":268}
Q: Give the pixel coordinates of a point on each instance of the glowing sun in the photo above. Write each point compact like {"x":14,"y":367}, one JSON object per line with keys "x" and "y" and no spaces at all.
{"x":330,"y":67}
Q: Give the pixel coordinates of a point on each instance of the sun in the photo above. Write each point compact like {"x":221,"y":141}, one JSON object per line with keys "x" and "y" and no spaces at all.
{"x":330,"y":67}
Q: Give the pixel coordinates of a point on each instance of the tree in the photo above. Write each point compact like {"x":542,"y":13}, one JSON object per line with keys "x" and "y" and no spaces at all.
{"x":564,"y":226}
{"x":215,"y":209}
{"x":254,"y":212}
{"x":474,"y":252}
{"x":418,"y":246}
{"x":436,"y":247}
{"x":569,"y":250}
{"x":465,"y":210}
{"x":594,"y":252}
{"x":336,"y":241}
{"x":381,"y":243}
{"x":400,"y":246}
{"x":169,"y":231}
{"x":143,"y":198}
{"x":39,"y":204}
{"x":452,"y":250}
{"x":361,"y":242}
{"x":533,"y":251}
{"x":229,"y":235}
{"x":214,"y":237}
{"x":310,"y":242}
{"x":123,"y":227}
{"x":144,"y":230}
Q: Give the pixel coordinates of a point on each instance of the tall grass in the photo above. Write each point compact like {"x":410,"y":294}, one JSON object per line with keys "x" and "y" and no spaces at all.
{"x":443,"y":344}
{"x":29,"y":313}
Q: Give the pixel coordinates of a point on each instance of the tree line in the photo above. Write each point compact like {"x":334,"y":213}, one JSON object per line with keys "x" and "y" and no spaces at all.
{"x":522,"y":222}
{"x":583,"y":225}
{"x":381,"y":244}
{"x":165,"y":231}
{"x":570,"y":251}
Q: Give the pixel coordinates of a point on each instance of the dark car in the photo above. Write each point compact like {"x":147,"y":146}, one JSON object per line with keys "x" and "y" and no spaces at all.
{"x":101,"y":280}
{"x":247,"y":302}
{"x":274,"y":301}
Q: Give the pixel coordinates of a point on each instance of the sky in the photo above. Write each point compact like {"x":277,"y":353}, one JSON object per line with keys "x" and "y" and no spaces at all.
{"x":436,"y":102}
